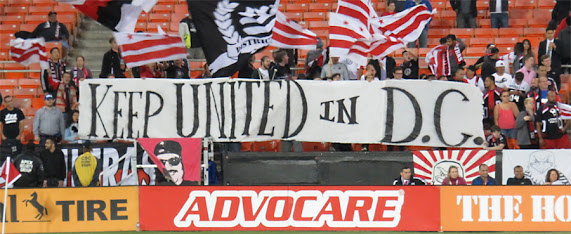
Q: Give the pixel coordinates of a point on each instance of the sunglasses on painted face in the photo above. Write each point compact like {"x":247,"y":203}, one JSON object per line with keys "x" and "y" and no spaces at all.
{"x":172,"y":161}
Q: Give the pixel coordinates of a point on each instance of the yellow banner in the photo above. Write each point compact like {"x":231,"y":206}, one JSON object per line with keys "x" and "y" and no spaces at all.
{"x":71,"y":209}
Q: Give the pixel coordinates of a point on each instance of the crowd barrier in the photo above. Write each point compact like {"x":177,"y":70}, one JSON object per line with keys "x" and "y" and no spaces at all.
{"x":324,"y":208}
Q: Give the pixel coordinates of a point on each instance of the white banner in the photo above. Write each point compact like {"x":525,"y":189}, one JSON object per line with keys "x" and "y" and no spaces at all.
{"x":424,"y":113}
{"x":536,"y":164}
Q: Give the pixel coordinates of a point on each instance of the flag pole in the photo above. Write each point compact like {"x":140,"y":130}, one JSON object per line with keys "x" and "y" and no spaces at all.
{"x":7,"y":167}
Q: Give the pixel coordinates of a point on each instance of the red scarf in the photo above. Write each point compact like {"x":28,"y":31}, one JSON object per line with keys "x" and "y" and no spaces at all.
{"x":457,"y":56}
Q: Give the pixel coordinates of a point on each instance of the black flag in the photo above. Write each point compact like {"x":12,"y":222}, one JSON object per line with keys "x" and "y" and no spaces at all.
{"x":232,"y":30}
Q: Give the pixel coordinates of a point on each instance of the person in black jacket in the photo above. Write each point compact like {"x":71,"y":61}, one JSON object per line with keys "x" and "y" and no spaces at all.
{"x":551,"y":47}
{"x":112,"y":62}
{"x":54,"y":165}
{"x":499,"y":13}
{"x":466,"y":13}
{"x":30,"y":167}
{"x":406,"y":178}
{"x":518,"y":178}
{"x":489,"y":65}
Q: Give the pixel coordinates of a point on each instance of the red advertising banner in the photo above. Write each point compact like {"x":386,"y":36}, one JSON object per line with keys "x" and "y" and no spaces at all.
{"x":171,"y":208}
{"x":177,"y":158}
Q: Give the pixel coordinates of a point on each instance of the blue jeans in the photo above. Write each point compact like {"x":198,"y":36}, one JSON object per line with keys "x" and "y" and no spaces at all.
{"x":510,"y":133}
{"x":499,"y":20}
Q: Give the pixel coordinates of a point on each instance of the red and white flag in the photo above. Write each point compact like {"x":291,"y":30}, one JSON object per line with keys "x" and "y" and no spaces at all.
{"x":564,"y":110}
{"x":288,"y":34}
{"x":139,"y":49}
{"x":435,"y":59}
{"x":356,"y":34}
{"x":13,"y":175}
{"x":29,"y":51}
{"x":117,"y":15}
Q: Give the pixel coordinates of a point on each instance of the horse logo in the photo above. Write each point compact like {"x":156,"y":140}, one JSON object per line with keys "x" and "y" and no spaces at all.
{"x":34,"y":202}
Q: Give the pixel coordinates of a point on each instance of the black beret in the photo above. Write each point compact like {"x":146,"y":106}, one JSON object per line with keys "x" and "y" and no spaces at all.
{"x":168,"y":147}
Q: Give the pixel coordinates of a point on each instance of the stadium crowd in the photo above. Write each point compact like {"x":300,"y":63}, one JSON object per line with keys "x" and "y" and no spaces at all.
{"x":520,"y":89}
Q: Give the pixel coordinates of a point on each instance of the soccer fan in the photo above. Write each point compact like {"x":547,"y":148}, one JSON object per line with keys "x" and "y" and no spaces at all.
{"x":52,"y":30}
{"x":488,"y":52}
{"x":553,"y":177}
{"x":57,"y":68}
{"x":30,"y":167}
{"x":247,"y":69}
{"x":410,"y":65}
{"x":540,"y":95}
{"x":11,"y":119}
{"x":499,"y":13}
{"x":370,"y":73}
{"x":264,"y":72}
{"x":80,"y":72}
{"x":470,"y":77}
{"x":71,"y":132}
{"x":334,"y":66}
{"x":525,"y":124}
{"x":453,"y":178}
{"x":495,"y":141}
{"x":518,"y":90}
{"x":398,"y":73}
{"x":459,"y":75}
{"x":527,"y":69}
{"x":518,"y":178}
{"x":187,"y":31}
{"x":66,"y":97}
{"x":553,"y":134}
{"x":551,"y":72}
{"x":179,"y":69}
{"x":49,"y":122}
{"x":407,"y":179}
{"x":54,"y":164}
{"x":113,"y":63}
{"x":491,"y":99}
{"x":502,"y":79}
{"x":281,"y":66}
{"x":423,"y":39}
{"x":454,"y":51}
{"x":542,"y":72}
{"x":466,"y":13}
{"x":489,"y":64}
{"x":151,"y":70}
{"x":390,"y":9}
{"x":505,"y":113}
{"x":484,"y":178}
{"x":551,"y":47}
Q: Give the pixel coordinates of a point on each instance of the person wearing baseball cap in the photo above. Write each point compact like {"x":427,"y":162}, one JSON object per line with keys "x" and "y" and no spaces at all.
{"x":502,"y":78}
{"x":48,"y":122}
{"x":52,"y":30}
{"x":169,"y":153}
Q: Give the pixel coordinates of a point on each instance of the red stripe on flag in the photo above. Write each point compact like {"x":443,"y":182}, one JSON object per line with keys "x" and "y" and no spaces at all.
{"x":154,"y":55}
{"x":394,"y":25}
{"x":287,"y":29}
{"x":150,"y":43}
{"x":293,"y":41}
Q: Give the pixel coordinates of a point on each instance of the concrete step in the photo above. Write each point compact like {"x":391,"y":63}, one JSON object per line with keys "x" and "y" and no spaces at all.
{"x":94,"y":44}
{"x":95,"y":35}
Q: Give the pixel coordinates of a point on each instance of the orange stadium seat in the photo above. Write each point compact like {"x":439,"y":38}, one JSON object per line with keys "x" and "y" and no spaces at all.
{"x":438,"y":33}
{"x":162,"y":9}
{"x":440,"y":23}
{"x":482,"y":5}
{"x":480,"y":42}
{"x":11,"y":19}
{"x":315,"y":16}
{"x":484,"y":23}
{"x":321,"y":33}
{"x":505,"y":42}
{"x":537,"y":23}
{"x":462,"y":32}
{"x":19,"y":3}
{"x":318,"y":25}
{"x":320,"y":7}
{"x":448,"y":15}
{"x":14,"y":74}
{"x":518,"y":23}
{"x":542,"y":14}
{"x":28,"y":27}
{"x":297,"y":7}
{"x":526,"y":4}
{"x":8,"y":83}
{"x":246,"y":147}
{"x":482,"y":14}
{"x":36,"y":74}
{"x":9,"y":28}
{"x":534,"y":32}
{"x":475,"y":51}
{"x":40,"y":10}
{"x":486,"y":32}
{"x":159,"y":18}
{"x":511,"y":32}
{"x":520,"y":14}
{"x":7,"y":92}
{"x":266,"y":146}
{"x":546,"y":4}
{"x":29,"y":83}
{"x":17,"y":10}
{"x":49,"y":3}
{"x":297,"y":16}
{"x":23,"y":103}
{"x":316,"y":146}
{"x":65,"y":9}
{"x":25,"y":93}
{"x":36,"y":19}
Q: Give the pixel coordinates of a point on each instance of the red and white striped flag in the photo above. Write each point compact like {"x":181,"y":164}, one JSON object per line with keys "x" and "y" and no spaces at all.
{"x":564,"y":110}
{"x":356,"y":34}
{"x":288,"y":34}
{"x":349,"y":24}
{"x":435,"y":59}
{"x":28,"y":51}
{"x":139,"y":49}
{"x":8,"y":176}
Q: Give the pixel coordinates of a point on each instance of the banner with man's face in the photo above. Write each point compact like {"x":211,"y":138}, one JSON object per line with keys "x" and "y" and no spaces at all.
{"x":177,"y":158}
